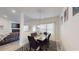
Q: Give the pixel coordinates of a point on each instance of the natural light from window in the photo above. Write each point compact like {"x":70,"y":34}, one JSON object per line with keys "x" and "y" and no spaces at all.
{"x":26,"y":28}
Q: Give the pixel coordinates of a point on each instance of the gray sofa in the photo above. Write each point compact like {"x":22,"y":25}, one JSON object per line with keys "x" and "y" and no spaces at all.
{"x":14,"y":36}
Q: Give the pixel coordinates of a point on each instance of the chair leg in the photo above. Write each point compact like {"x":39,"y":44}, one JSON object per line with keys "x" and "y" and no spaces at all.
{"x":34,"y":49}
{"x":30,"y":48}
{"x":46,"y":49}
{"x":40,"y":48}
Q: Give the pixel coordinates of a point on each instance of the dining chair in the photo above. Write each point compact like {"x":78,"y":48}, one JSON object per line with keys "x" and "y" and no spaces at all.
{"x":33,"y":44}
{"x":45,"y":33}
{"x":46,"y":42}
{"x":48,"y":37}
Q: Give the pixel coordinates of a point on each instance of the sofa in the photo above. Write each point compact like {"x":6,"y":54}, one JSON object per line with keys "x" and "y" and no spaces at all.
{"x":14,"y":36}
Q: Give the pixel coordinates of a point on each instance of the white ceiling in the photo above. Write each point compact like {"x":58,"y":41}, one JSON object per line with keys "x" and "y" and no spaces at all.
{"x":30,"y":12}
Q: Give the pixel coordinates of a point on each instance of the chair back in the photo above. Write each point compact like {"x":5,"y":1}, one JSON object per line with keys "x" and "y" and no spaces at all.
{"x":47,"y":39}
{"x":45,"y":33}
{"x":49,"y":36}
{"x":32,"y":42}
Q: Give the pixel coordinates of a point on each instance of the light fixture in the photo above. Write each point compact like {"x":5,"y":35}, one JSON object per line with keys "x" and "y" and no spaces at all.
{"x":13,"y":11}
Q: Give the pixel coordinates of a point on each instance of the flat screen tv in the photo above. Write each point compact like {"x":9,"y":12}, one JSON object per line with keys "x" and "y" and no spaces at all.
{"x":15,"y":25}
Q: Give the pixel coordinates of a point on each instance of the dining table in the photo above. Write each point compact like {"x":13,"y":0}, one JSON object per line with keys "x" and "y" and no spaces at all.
{"x":40,"y":37}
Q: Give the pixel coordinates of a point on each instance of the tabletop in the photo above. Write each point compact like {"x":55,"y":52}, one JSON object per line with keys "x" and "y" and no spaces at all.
{"x":40,"y":37}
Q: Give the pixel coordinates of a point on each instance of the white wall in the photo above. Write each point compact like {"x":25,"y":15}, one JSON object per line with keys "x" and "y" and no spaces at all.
{"x":6,"y":26}
{"x":70,"y":32}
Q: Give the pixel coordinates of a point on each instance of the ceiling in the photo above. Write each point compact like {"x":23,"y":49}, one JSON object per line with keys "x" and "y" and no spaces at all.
{"x":29,"y":12}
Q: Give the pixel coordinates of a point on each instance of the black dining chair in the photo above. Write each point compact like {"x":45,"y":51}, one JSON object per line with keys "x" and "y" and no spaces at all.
{"x":46,"y":42}
{"x":45,"y":33}
{"x":44,"y":45}
{"x":48,"y":37}
{"x":33,"y":44}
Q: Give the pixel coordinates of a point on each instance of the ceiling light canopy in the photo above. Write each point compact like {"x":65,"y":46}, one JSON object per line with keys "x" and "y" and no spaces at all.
{"x":13,"y":11}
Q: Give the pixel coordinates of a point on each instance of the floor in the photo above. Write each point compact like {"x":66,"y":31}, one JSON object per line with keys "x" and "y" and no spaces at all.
{"x":10,"y":47}
{"x":52,"y":47}
{"x":14,"y":46}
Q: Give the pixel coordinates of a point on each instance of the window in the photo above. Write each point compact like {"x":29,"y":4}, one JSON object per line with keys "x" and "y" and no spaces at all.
{"x":42,"y":27}
{"x":46,"y":28}
{"x":34,"y":28}
{"x":50,"y":28}
{"x":26,"y":28}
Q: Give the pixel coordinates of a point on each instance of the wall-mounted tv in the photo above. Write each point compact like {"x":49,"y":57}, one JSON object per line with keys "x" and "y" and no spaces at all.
{"x":15,"y":25}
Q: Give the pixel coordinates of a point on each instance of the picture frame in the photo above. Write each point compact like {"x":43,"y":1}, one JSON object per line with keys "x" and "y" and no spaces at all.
{"x":75,"y":10}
